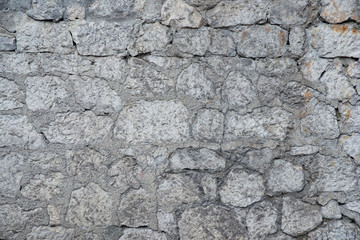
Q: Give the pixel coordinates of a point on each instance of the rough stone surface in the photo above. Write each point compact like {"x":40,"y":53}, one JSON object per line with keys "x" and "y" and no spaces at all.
{"x":208,"y":125}
{"x":191,"y":42}
{"x":50,"y":233}
{"x":331,"y":210}
{"x":10,"y":95}
{"x":180,"y":14}
{"x":7,"y":43}
{"x":289,"y":13}
{"x":261,"y":220}
{"x":46,"y":10}
{"x":336,"y":230}
{"x":337,"y":12}
{"x":351,"y":145}
{"x":148,"y":234}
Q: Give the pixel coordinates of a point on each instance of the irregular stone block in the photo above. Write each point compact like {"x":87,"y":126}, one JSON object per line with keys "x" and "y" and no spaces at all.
{"x":111,"y":68}
{"x":12,"y":171}
{"x":12,"y":220}
{"x":7,"y":43}
{"x":208,"y":125}
{"x":9,"y":20}
{"x":261,"y":220}
{"x":78,"y":128}
{"x":180,"y":14}
{"x":209,"y":185}
{"x":46,"y":10}
{"x":231,"y":13}
{"x":312,"y":68}
{"x":17,"y":131}
{"x":351,"y":145}
{"x":299,"y":217}
{"x":222,"y":42}
{"x":167,"y":222}
{"x":304,"y":150}
{"x":289,"y":13}
{"x":331,"y":210}
{"x":259,"y":160}
{"x":10,"y":95}
{"x":43,"y":233}
{"x":350,"y":118}
{"x":297,"y":39}
{"x":201,"y":159}
{"x":191,"y":42}
{"x":211,"y":222}
{"x":74,"y":11}
{"x":148,"y":9}
{"x":111,"y":8}
{"x":276,"y":67}
{"x":90,"y":206}
{"x":262,"y":41}
{"x":353,"y":70}
{"x":202,"y":5}
{"x":155,"y":122}
{"x":241,"y":189}
{"x":335,"y":11}
{"x":336,"y":230}
{"x":135,"y":234}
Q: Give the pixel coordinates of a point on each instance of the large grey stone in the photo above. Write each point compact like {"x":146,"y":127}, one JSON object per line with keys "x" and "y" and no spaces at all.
{"x":299,"y":217}
{"x":289,"y":13}
{"x":351,"y":144}
{"x":261,"y":220}
{"x":12,"y":171}
{"x":46,"y":10}
{"x":336,"y":230}
{"x":167,"y":222}
{"x":142,"y":234}
{"x":156,"y":122}
{"x":331,"y":210}
{"x":56,"y":233}
{"x":10,"y":95}
{"x":335,"y":11}
{"x":211,"y":222}
{"x":242,"y":189}
{"x":208,"y":125}
{"x":191,"y":42}
{"x":180,"y":14}
{"x":222,"y":42}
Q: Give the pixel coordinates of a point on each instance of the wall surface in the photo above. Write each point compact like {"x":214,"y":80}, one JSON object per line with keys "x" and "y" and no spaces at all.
{"x":179,"y":119}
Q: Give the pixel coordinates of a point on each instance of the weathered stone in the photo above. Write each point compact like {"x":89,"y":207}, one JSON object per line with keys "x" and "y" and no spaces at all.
{"x":261,"y":220}
{"x":101,"y":38}
{"x":211,"y":222}
{"x":222,"y":42}
{"x":336,"y":40}
{"x":285,"y":177}
{"x":10,"y":95}
{"x":201,"y":159}
{"x":148,"y":9}
{"x":262,"y":41}
{"x":43,"y":233}
{"x":156,"y":122}
{"x":336,"y":230}
{"x":177,"y":189}
{"x":96,"y":95}
{"x":241,"y":189}
{"x":12,"y":170}
{"x":313,"y":68}
{"x":146,"y":234}
{"x":111,"y":68}
{"x":209,"y":185}
{"x":269,"y":89}
{"x":299,"y":217}
{"x":7,"y":43}
{"x":304,"y":150}
{"x":193,"y":82}
{"x":202,"y":5}
{"x":353,"y":69}
{"x":17,"y":131}
{"x":191,"y":42}
{"x":238,"y":90}
{"x":351,"y":144}
{"x":231,"y":13}
{"x":137,"y":208}
{"x":353,"y":206}
{"x":19,"y":5}
{"x":74,"y":11}
{"x":78,"y":128}
{"x":46,"y":10}
{"x":180,"y":14}
{"x":297,"y":38}
{"x":259,"y":160}
{"x":12,"y":220}
{"x":9,"y":20}
{"x":276,"y":67}
{"x":42,"y":93}
{"x":167,"y":222}
{"x":55,"y":215}
{"x":34,"y":36}
{"x":331,"y":210}
{"x":208,"y":125}
{"x":350,"y":118}
{"x":335,"y":11}
{"x":258,"y":124}
{"x":289,"y":13}
{"x":111,"y":8}
{"x":90,"y":206}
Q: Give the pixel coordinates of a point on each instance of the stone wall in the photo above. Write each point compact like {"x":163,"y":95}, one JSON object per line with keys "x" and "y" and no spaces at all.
{"x":179,"y":119}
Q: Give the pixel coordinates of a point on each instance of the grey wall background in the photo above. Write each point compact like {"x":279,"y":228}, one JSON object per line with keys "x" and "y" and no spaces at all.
{"x":182,"y":119}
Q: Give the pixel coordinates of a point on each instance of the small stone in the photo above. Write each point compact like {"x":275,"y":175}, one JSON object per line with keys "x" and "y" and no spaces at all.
{"x":331,"y":210}
{"x":299,"y":217}
{"x":277,"y":67}
{"x":241,"y":189}
{"x":43,"y":233}
{"x":351,"y":144}
{"x":262,"y":41}
{"x":313,"y":68}
{"x":191,"y":42}
{"x":259,"y":160}
{"x":209,"y":185}
{"x":201,"y":159}
{"x":55,"y":215}
{"x":304,"y":150}
{"x":211,"y":222}
{"x":285,"y":177}
{"x":229,"y":13}
{"x":90,"y":206}
{"x":350,"y":118}
{"x":297,"y":40}
{"x":353,"y":206}
{"x":269,"y":89}
{"x":261,"y":220}
{"x":12,"y":171}
{"x":208,"y":125}
{"x":289,"y":13}
{"x":222,"y":42}
{"x":335,"y":11}
{"x":7,"y":43}
{"x":9,"y":20}
{"x":353,"y":70}
{"x":156,"y":122}
{"x":167,"y":222}
{"x":46,"y":10}
{"x":180,"y":14}
{"x":137,"y":234}
{"x":336,"y":230}
{"x":10,"y":95}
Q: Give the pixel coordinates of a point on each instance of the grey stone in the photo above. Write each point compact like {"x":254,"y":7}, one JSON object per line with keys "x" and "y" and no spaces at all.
{"x":331,"y":210}
{"x":202,"y":159}
{"x":312,"y":68}
{"x":9,"y":20}
{"x":111,"y":8}
{"x":353,"y":206}
{"x":242,"y":189}
{"x":12,"y":220}
{"x":303,"y":150}
{"x":46,"y":10}
{"x":56,"y":233}
{"x":142,"y":234}
{"x":353,"y":70}
{"x":211,"y":222}
{"x":74,"y":11}
{"x":262,"y":41}
{"x":259,"y":160}
{"x":191,"y":42}
{"x":299,"y":217}
{"x":202,"y":5}
{"x":351,"y":144}
{"x":261,"y":220}
{"x":289,"y":13}
{"x":269,"y":89}
{"x":12,"y":172}
{"x":167,"y":222}
{"x":350,"y":118}
{"x":10,"y":95}
{"x":178,"y":13}
{"x":232,"y":13}
{"x":336,"y":230}
{"x":90,"y":206}
{"x":209,"y":185}
{"x":7,"y":43}
{"x":19,"y":5}
{"x":222,"y":42}
{"x":18,"y":131}
{"x":297,"y":38}
{"x":336,"y":11}
{"x":276,"y":67}
{"x":208,"y":125}
{"x":111,"y":68}
{"x":285,"y":177}
{"x":148,"y":9}
{"x":156,"y":122}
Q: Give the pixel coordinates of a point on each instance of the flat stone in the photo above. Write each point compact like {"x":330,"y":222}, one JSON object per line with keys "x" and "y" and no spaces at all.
{"x":262,"y":41}
{"x":10,"y":95}
{"x":299,"y":217}
{"x":46,"y":10}
{"x":289,"y":13}
{"x":242,"y":189}
{"x":336,"y":230}
{"x":43,"y":233}
{"x":261,"y":220}
{"x":335,"y":11}
{"x":350,"y":118}
{"x":331,"y":210}
{"x":222,"y":42}
{"x":137,"y":234}
{"x":78,"y":128}
{"x":12,"y":171}
{"x":351,"y":144}
{"x":229,"y":13}
{"x":178,"y":13}
{"x":156,"y":122}
{"x":208,"y":125}
{"x":285,"y":177}
{"x":191,"y":42}
{"x":7,"y":43}
{"x":90,"y":206}
{"x":111,"y":8}
{"x":211,"y":222}
{"x":201,"y":159}
{"x":269,"y":89}
{"x":336,"y":40}
{"x":17,"y":131}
